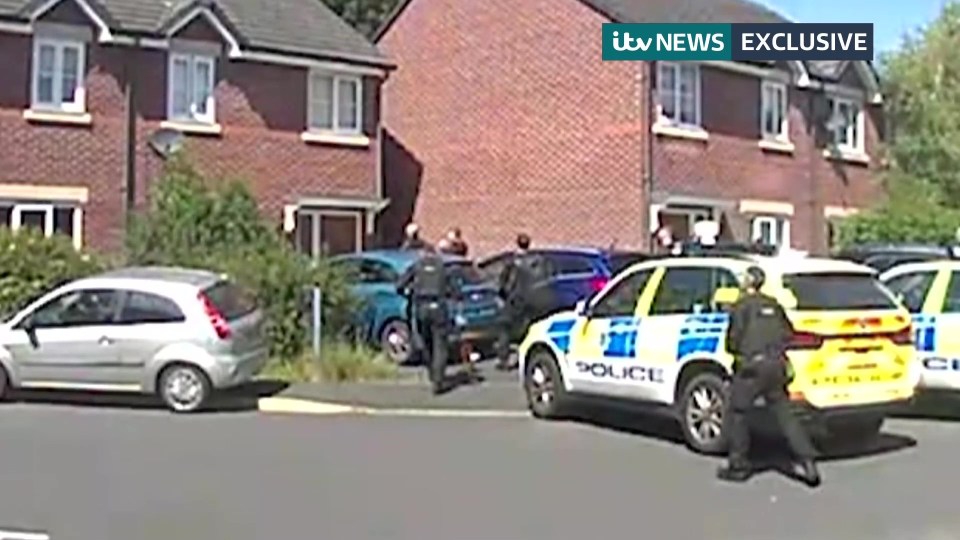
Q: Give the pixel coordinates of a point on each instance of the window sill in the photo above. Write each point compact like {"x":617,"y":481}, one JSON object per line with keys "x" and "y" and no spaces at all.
{"x":668,"y":130}
{"x":316,"y":137}
{"x":197,"y":128}
{"x":848,"y":155}
{"x":57,"y":117}
{"x":785,"y":147}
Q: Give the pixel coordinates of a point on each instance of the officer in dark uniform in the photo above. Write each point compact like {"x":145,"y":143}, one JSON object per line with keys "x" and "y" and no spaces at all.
{"x":429,"y":290}
{"x":757,"y":337}
{"x":515,"y":283}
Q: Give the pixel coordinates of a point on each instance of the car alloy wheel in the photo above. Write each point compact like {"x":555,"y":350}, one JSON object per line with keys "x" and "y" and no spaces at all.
{"x":543,"y":385}
{"x":184,"y":388}
{"x":705,"y":415}
{"x":396,"y":342}
{"x":701,"y":410}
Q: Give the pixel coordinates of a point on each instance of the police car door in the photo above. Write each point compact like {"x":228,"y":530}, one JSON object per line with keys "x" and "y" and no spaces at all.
{"x":921,"y":291}
{"x":941,"y":333}
{"x":603,"y":347}
{"x":682,"y":323}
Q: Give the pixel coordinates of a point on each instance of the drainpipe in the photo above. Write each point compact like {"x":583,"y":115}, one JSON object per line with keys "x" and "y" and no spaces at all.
{"x":130,"y":137}
{"x":649,"y":179}
{"x":816,"y":127}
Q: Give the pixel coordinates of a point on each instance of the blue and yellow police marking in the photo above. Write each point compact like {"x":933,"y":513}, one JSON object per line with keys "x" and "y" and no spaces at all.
{"x":701,"y":334}
{"x":559,"y":333}
{"x":925,"y":332}
{"x":620,"y":339}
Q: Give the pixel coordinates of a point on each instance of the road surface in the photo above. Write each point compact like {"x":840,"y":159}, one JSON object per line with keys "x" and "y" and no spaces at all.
{"x":95,"y":473}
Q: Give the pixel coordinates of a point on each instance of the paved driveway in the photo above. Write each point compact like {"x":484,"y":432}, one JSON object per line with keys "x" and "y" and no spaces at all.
{"x":92,"y":473}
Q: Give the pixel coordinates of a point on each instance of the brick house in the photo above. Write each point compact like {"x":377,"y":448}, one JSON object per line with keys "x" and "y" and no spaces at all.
{"x":282,"y":94}
{"x":506,"y":119}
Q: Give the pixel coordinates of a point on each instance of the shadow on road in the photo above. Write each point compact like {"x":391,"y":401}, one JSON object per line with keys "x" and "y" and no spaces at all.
{"x":239,"y":399}
{"x":768,"y":451}
{"x":933,"y":406}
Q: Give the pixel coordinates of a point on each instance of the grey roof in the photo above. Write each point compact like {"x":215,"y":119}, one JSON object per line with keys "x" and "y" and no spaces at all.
{"x":304,"y":27}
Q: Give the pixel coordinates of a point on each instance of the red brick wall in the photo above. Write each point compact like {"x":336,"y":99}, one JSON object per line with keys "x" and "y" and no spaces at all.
{"x":261,"y":107}
{"x":513,"y":124}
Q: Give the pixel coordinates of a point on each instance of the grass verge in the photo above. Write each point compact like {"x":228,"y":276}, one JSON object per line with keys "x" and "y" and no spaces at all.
{"x":339,"y":361}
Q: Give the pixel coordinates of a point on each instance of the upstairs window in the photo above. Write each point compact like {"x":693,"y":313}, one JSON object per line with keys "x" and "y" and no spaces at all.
{"x":773,"y":111}
{"x":335,"y":104}
{"x":190,"y":88}
{"x":846,"y":123}
{"x":678,"y":87}
{"x":58,"y":69}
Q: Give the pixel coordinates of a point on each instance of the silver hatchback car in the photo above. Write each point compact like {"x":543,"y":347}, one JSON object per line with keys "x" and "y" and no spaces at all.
{"x":176,"y":332}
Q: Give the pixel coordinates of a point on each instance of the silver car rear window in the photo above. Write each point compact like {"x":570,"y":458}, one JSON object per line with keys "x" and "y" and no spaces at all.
{"x":230,"y":300}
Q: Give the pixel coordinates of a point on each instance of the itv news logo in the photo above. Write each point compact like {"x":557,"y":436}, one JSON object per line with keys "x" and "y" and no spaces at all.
{"x":738,"y":42}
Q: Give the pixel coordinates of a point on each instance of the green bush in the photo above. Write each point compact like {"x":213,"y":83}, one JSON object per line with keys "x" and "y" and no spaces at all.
{"x":198,"y":222}
{"x":340,"y":361}
{"x":31,"y":265}
{"x":908,"y":215}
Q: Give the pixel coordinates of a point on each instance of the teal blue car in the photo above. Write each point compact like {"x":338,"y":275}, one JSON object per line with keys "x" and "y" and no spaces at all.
{"x":383,"y":320}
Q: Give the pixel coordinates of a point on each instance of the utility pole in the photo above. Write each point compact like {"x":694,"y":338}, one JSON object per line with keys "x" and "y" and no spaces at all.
{"x":648,"y":180}
{"x":815,"y":127}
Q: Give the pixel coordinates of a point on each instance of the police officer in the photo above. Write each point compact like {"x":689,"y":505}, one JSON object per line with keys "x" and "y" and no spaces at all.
{"x":515,"y":283}
{"x":428,"y":291}
{"x":757,"y":337}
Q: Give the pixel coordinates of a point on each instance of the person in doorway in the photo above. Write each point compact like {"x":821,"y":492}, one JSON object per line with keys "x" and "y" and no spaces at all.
{"x":663,"y":239}
{"x":515,"y":284}
{"x":429,"y":291}
{"x":412,"y":240}
{"x":453,"y":243}
{"x":757,"y":337}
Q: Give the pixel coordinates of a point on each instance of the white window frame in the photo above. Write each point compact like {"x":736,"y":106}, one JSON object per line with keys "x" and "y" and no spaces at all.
{"x":335,"y":128}
{"x":192,"y":59}
{"x":775,"y":87}
{"x":79,"y":103}
{"x":677,"y":100}
{"x":859,"y":122}
{"x":779,"y":226}
{"x":48,"y":209}
{"x":316,"y":215}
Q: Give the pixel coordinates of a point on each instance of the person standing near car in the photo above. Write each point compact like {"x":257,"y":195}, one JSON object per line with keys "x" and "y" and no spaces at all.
{"x":412,"y":240}
{"x":429,"y":291}
{"x":757,"y":337}
{"x":515,"y":284}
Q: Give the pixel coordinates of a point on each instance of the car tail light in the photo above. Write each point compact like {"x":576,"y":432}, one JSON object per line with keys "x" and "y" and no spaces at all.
{"x":904,"y":336}
{"x":805,"y":341}
{"x":598,"y":283}
{"x":220,"y":324}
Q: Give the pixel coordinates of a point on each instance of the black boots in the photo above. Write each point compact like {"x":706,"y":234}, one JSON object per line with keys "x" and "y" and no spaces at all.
{"x":805,"y":471}
{"x":809,"y":473}
{"x":735,"y":472}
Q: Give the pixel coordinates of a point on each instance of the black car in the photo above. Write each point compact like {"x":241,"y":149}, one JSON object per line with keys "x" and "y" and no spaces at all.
{"x":882,"y":257}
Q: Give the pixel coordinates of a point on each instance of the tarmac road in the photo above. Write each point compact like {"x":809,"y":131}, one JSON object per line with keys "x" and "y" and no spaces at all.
{"x":94,"y":473}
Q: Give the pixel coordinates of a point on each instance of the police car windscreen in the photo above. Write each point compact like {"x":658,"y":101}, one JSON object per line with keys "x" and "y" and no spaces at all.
{"x":838,"y":291}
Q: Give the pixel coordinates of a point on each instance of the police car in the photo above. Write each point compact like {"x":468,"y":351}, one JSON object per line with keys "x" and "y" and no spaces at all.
{"x":931,"y":292}
{"x":655,"y":335}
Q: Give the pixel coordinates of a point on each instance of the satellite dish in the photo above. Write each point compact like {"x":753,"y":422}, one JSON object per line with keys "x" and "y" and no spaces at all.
{"x":166,"y":142}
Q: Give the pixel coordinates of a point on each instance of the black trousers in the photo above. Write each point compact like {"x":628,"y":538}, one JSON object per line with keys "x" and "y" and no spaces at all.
{"x":513,"y":324}
{"x":433,"y":327}
{"x":767,"y":378}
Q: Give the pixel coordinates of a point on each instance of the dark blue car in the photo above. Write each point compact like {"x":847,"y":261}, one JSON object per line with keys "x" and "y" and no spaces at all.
{"x":569,"y":274}
{"x":382,"y":320}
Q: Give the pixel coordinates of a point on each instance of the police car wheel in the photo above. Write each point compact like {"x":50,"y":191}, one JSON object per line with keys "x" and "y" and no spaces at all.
{"x":702,"y":404}
{"x":396,"y":341}
{"x":543,"y":385}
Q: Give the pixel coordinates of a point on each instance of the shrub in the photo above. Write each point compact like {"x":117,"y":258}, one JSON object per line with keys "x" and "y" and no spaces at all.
{"x":340,"y":361}
{"x":31,"y":265}
{"x":215,"y":224}
{"x":909,"y":215}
